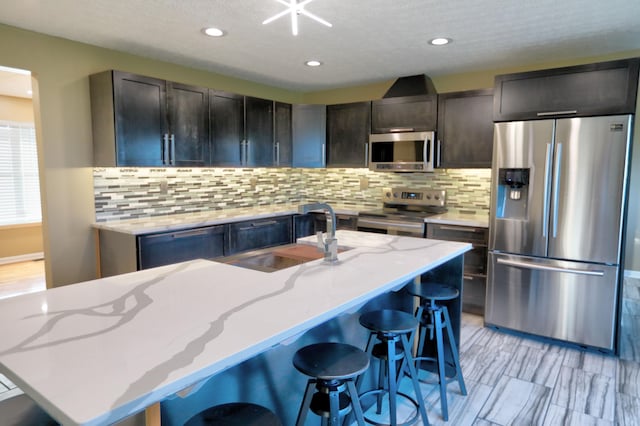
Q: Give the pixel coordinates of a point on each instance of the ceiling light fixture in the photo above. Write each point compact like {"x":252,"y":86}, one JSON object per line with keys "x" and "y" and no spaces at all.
{"x":213,"y":32}
{"x":440,"y":41}
{"x":313,"y":63}
{"x":294,"y":9}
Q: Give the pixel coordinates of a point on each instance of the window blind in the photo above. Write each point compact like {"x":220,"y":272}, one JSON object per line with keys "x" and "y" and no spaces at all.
{"x":19,"y":182}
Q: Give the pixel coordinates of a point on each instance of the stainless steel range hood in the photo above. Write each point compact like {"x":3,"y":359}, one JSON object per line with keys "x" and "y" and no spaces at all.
{"x":413,"y":85}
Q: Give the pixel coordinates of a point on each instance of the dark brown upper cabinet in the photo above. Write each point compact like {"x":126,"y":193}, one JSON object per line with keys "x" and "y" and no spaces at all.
{"x":348,"y":128}
{"x":143,"y":121}
{"x":602,"y":88}
{"x":227,"y":128}
{"x":283,"y":134}
{"x":465,"y":129}
{"x":404,"y":114}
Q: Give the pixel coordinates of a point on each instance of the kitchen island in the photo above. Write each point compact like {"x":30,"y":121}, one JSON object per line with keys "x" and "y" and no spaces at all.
{"x":99,"y":351}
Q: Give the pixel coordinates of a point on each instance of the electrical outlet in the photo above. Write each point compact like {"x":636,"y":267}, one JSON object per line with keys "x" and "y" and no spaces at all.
{"x":364,"y":183}
{"x":164,"y":186}
{"x":253,"y":182}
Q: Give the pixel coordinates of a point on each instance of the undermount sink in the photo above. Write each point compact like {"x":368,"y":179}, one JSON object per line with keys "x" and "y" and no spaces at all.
{"x":276,"y":258}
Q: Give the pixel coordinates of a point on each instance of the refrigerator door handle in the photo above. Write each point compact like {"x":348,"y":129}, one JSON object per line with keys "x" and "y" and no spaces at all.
{"x":556,"y":188}
{"x":545,"y":204}
{"x":527,"y":265}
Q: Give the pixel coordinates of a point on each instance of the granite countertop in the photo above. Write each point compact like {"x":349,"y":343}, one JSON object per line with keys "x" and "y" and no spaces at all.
{"x":480,"y":220}
{"x":95,"y":352}
{"x":180,"y":221}
{"x":176,"y":222}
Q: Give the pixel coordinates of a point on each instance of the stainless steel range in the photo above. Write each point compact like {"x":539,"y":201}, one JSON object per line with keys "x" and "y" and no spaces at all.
{"x":403,"y":212}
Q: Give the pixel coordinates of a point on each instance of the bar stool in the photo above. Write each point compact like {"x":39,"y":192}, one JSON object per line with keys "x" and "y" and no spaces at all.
{"x":430,"y":314}
{"x":332,"y":368}
{"x":393,"y":330}
{"x":21,"y":410}
{"x":235,"y":414}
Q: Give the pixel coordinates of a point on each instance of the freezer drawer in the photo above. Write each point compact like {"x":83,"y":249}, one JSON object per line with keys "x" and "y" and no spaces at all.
{"x":570,"y":301}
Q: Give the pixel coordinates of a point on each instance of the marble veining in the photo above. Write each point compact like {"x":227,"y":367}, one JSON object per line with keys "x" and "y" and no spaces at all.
{"x":149,"y":334}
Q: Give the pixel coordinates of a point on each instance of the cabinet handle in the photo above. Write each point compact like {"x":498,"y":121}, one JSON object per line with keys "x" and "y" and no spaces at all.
{"x":258,"y":225}
{"x":401,"y":129}
{"x":243,"y":151}
{"x":436,"y":156}
{"x":186,"y":234}
{"x":324,"y":155}
{"x":366,"y":155}
{"x":247,"y":145}
{"x":172,"y":149}
{"x":460,"y":228}
{"x":467,"y":277}
{"x":544,"y":114}
{"x":165,"y":148}
{"x":277,"y":153}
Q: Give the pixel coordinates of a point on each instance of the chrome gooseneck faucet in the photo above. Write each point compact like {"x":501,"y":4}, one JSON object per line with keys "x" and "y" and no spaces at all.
{"x":328,"y":246}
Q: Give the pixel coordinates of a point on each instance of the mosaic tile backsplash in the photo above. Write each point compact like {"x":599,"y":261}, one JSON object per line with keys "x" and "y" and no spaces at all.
{"x":126,"y":193}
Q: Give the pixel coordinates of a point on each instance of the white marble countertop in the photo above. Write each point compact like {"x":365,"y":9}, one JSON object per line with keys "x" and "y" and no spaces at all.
{"x":180,"y":221}
{"x":95,"y":352}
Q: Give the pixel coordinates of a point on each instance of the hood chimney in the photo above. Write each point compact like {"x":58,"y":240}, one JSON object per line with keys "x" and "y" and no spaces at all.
{"x":412,"y":85}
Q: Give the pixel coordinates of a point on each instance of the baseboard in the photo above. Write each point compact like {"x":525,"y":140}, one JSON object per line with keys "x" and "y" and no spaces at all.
{"x":22,"y":258}
{"x":631,"y":274}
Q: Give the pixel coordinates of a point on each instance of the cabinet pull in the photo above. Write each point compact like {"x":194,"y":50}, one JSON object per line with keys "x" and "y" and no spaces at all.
{"x":366,"y":155}
{"x":165,"y":148}
{"x":401,"y":129}
{"x":459,"y":228}
{"x":172,"y":149}
{"x":277,"y":153}
{"x":324,"y":155}
{"x":186,"y":234}
{"x":468,"y":277}
{"x":436,"y":155}
{"x":258,"y":225}
{"x":544,"y":114}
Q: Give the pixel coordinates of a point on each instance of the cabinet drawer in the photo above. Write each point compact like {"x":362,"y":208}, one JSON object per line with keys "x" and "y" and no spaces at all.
{"x":475,"y":261}
{"x":473,"y":294}
{"x":173,"y":247}
{"x":467,"y":234}
{"x":256,"y":234}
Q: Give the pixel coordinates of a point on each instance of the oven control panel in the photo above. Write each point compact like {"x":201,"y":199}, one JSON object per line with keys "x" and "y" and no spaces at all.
{"x":414,"y":197}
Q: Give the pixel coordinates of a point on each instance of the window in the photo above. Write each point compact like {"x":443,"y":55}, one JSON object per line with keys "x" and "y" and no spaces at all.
{"x":19,"y":183}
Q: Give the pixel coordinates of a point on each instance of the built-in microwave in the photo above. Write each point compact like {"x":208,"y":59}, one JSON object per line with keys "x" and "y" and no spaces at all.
{"x":403,"y":152}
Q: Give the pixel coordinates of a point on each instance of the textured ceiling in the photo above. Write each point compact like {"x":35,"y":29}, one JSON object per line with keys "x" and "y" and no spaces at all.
{"x":370,"y":41}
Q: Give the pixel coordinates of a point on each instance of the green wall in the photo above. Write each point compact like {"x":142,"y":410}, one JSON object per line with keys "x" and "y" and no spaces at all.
{"x":63,"y":124}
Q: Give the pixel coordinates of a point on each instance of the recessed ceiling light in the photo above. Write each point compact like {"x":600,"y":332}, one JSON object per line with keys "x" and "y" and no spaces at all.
{"x":213,"y":32}
{"x":440,"y":41}
{"x":313,"y":63}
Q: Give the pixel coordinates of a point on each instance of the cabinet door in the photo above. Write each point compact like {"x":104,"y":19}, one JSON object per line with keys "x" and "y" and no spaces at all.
{"x":348,"y":128}
{"x":257,"y":234}
{"x":603,"y":88}
{"x":140,"y":120}
{"x":465,"y":129}
{"x":283,"y":135}
{"x":404,"y":114}
{"x":188,"y":108}
{"x":173,"y":247}
{"x":259,"y":146}
{"x":309,"y":135}
{"x":227,"y":128}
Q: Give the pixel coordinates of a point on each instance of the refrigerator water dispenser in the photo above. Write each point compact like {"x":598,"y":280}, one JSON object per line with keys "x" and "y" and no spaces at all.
{"x":513,"y":185}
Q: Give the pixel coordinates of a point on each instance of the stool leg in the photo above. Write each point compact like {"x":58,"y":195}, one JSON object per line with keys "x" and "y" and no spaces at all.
{"x":442,"y":378}
{"x":414,"y":378}
{"x":355,"y":402}
{"x":454,"y":351}
{"x":368,"y":350}
{"x":391,"y":370}
{"x":306,"y":403}
{"x":334,"y":408}
{"x":382,"y":384}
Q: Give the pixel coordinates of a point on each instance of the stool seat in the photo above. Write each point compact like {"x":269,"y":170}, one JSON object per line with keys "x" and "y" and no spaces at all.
{"x":389,"y":321}
{"x":331,"y":361}
{"x":433,"y":291}
{"x":21,"y":410}
{"x":331,"y":391}
{"x":235,"y":414}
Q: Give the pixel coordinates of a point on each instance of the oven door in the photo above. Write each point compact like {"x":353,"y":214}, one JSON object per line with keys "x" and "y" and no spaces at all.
{"x":391,"y":227}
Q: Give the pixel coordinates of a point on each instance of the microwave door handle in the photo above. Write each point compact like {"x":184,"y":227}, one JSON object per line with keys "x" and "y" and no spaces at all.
{"x":427,"y":150}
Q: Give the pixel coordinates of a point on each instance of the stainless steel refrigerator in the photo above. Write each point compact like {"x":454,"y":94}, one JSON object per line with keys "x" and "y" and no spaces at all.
{"x":558,"y":197}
